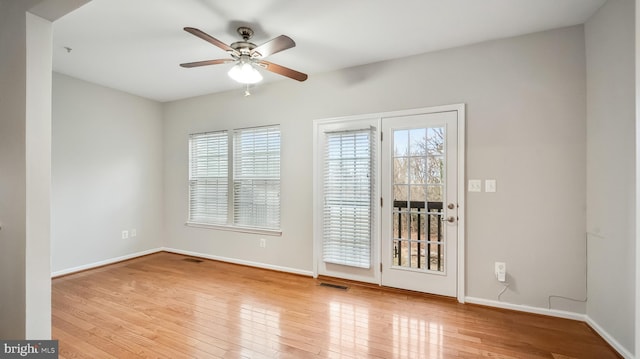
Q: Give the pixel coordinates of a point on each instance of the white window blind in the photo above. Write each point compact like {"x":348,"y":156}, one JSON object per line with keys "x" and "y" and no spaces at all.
{"x":347,"y":188}
{"x":256,"y":180}
{"x":208,"y":177}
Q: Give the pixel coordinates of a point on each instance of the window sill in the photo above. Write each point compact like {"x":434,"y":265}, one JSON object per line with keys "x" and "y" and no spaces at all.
{"x":222,"y":227}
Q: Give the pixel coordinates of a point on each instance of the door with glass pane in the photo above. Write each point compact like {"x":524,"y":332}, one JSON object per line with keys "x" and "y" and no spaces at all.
{"x":419,"y":212}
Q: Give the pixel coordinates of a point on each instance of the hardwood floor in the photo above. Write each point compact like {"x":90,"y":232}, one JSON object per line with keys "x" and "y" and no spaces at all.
{"x":163,"y":306}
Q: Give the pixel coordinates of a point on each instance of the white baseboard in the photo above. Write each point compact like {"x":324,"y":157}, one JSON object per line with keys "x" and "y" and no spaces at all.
{"x":609,"y":339}
{"x":104,"y":262}
{"x":241,"y":262}
{"x":556,"y":313}
{"x":527,"y":309}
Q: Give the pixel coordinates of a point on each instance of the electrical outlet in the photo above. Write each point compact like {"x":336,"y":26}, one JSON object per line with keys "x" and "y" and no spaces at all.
{"x":125,"y":234}
{"x":134,"y":232}
{"x":263,"y":243}
{"x":501,"y":271}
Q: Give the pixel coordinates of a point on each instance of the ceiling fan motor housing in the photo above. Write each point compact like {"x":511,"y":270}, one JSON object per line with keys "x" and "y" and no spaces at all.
{"x":244,"y":47}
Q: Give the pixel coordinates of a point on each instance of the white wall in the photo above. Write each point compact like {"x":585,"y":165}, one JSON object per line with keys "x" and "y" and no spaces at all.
{"x":611,"y":169}
{"x":25,"y":95}
{"x":12,"y":168}
{"x":107,"y":174}
{"x":38,"y":178}
{"x":637,"y":180}
{"x":526,"y":128}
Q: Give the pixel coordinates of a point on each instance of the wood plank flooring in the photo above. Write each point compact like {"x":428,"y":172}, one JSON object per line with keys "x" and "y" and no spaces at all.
{"x":163,"y":306}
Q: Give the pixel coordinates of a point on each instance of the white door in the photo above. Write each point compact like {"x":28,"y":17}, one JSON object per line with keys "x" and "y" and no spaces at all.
{"x":420,"y":206}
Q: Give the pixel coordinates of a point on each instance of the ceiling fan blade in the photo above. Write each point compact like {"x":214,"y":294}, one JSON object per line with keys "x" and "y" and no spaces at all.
{"x":206,"y":37}
{"x":273,"y":46}
{"x":281,"y":70}
{"x":206,"y":62}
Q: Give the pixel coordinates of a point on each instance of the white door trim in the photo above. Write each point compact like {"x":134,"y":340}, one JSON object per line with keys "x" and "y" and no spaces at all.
{"x":461,"y":233}
{"x":462,"y":155}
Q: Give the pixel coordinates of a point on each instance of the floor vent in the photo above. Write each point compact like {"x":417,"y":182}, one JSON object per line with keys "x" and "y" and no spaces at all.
{"x":342,"y":287}
{"x":192,"y":260}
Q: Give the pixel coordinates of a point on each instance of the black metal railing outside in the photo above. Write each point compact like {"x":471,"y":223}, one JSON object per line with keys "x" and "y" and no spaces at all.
{"x":434,"y":217}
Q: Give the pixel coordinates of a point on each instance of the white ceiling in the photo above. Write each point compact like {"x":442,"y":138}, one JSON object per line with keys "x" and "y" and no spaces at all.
{"x":136,"y":45}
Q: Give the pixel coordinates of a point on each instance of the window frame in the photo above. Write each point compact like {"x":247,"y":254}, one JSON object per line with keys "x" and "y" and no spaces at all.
{"x":231,"y":158}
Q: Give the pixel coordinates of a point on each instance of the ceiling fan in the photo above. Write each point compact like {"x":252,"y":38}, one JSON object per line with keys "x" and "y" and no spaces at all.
{"x":248,"y":56}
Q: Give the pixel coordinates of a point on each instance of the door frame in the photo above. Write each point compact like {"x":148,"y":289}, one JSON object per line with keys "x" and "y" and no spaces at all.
{"x":376,"y":241}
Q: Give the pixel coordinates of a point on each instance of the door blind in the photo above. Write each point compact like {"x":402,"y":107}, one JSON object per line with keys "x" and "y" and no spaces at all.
{"x":347,"y":189}
{"x":208,"y":177}
{"x":256,"y":186}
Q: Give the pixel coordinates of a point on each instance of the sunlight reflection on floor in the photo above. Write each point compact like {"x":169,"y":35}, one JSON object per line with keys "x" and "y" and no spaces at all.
{"x":412,"y":336}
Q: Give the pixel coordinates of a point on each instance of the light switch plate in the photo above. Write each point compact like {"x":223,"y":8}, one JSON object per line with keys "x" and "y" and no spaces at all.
{"x":490,"y":185}
{"x":475,"y":185}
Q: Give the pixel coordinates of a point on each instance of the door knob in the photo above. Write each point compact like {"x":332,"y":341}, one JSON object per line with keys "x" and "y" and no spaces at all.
{"x":449,"y":219}
{"x":451,"y":206}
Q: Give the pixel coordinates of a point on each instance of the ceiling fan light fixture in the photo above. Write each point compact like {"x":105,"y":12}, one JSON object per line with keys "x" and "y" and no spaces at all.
{"x":245,"y":73}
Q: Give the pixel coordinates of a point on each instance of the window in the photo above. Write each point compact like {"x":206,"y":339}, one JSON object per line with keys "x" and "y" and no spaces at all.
{"x":209,"y":177}
{"x":347,"y":188}
{"x":256,"y":181}
{"x":251,"y":165}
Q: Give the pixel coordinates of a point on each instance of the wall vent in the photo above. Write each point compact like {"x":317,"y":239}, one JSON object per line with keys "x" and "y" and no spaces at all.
{"x":192,"y":260}
{"x":336,"y":286}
